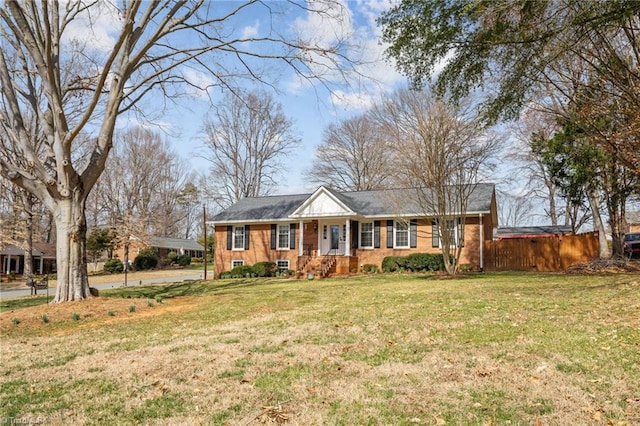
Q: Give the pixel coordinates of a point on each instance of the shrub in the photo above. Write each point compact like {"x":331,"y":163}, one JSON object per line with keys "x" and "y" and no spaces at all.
{"x":132,"y":308}
{"x":224,"y":275}
{"x":11,"y":276}
{"x":370,"y":269}
{"x":75,"y":316}
{"x":111,"y":313}
{"x":394,"y":263}
{"x":146,"y":259}
{"x":15,"y":321}
{"x":183,"y":260}
{"x":44,"y":318}
{"x":172,"y":255}
{"x":413,"y":262}
{"x":418,"y":262}
{"x":243,"y":271}
{"x":113,"y":266}
{"x":264,"y":269}
{"x":436,"y":262}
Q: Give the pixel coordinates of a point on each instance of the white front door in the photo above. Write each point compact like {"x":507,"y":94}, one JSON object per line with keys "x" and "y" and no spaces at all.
{"x":332,"y":239}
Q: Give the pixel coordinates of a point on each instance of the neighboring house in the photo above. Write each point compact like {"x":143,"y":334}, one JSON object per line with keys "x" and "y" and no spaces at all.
{"x":633,"y":221}
{"x":533,"y":231}
{"x":330,"y":231}
{"x":162,"y":246}
{"x":43,"y":255}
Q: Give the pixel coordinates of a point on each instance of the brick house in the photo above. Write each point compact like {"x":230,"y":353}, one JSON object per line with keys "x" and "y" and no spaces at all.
{"x":338,"y":232}
{"x":633,"y":221}
{"x":162,"y":246}
{"x":43,"y":255}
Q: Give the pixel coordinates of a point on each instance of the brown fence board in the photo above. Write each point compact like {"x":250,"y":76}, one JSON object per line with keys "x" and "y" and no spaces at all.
{"x":552,"y":253}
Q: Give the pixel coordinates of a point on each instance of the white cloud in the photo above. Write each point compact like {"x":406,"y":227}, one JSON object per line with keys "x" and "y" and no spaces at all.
{"x":199,"y":83}
{"x":355,"y":23}
{"x":352,"y":101}
{"x":95,"y":28}
{"x":323,"y":29}
{"x":251,"y":31}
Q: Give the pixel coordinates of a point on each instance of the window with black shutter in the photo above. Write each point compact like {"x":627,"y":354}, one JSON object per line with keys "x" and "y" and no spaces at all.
{"x":246,"y":237}
{"x":389,"y":233}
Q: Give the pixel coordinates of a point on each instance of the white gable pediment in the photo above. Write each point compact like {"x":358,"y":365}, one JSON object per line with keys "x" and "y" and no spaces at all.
{"x":322,"y":203}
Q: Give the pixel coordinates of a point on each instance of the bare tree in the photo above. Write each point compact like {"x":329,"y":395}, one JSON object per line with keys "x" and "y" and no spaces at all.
{"x":441,"y":150}
{"x":69,"y":88}
{"x":354,"y":156}
{"x":139,"y":191}
{"x":246,"y":141}
{"x":189,"y":199}
{"x":514,"y":210}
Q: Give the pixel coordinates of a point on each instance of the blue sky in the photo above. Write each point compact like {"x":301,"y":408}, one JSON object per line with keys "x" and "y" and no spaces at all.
{"x":310,"y":107}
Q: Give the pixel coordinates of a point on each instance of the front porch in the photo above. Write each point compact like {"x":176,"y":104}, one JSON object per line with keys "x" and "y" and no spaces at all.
{"x":314,"y":266}
{"x":326,"y":247}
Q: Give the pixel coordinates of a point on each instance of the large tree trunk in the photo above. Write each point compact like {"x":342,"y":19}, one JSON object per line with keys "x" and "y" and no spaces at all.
{"x":598,"y":225}
{"x":71,"y":230}
{"x":28,"y":240}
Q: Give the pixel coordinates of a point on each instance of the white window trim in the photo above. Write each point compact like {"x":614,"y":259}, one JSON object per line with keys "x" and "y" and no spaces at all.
{"x":241,"y":261}
{"x":395,"y":238}
{"x":288,"y":237}
{"x":283,"y":260}
{"x":456,"y":236}
{"x":233,"y":238}
{"x":372,"y":232}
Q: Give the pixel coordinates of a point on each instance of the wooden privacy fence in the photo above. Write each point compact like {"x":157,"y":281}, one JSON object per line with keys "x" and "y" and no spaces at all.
{"x":551,"y":254}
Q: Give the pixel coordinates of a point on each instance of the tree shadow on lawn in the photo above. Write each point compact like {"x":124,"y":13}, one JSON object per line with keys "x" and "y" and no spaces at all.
{"x":182,"y":289}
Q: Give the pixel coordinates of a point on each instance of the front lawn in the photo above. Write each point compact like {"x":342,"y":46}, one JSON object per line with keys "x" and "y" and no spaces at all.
{"x":380,"y":350}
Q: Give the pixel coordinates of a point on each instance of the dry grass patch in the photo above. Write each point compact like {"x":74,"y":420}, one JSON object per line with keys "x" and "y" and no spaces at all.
{"x":493,"y":348}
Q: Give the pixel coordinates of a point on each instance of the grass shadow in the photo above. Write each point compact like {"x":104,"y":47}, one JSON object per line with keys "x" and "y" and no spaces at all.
{"x":23,"y":302}
{"x":182,"y":289}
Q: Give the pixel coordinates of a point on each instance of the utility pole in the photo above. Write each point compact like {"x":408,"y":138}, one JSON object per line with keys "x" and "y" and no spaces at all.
{"x":204,"y":226}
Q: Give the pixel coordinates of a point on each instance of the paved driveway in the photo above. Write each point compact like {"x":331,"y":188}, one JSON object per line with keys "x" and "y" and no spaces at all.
{"x":197,"y":275}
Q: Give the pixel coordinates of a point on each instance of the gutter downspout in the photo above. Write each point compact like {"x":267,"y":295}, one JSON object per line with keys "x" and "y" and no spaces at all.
{"x":481,"y":244}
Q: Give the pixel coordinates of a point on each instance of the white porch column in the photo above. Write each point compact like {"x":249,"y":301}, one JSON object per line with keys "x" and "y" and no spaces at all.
{"x":300,"y":238}
{"x":41,"y":264}
{"x":347,"y":238}
{"x":481,"y":244}
{"x":9,"y":264}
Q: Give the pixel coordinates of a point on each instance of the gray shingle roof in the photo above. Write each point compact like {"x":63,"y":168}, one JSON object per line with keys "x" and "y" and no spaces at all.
{"x":175,"y":243}
{"x":380,"y":203}
{"x":534,"y":230}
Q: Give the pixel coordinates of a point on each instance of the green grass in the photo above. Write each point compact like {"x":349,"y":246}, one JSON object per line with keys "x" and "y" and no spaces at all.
{"x":379,"y":349}
{"x":23,"y":302}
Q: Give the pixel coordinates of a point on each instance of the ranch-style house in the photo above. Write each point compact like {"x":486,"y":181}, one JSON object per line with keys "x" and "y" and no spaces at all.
{"x":329,"y":232}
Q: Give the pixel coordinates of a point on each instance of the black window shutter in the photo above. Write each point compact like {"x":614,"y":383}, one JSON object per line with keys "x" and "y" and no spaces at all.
{"x":246,"y":237}
{"x":229,"y":237}
{"x":292,"y":236}
{"x":389,"y":233}
{"x":354,"y":234}
{"x":435,"y":235}
{"x":376,"y":234}
{"x":413,"y":233}
{"x":274,"y":236}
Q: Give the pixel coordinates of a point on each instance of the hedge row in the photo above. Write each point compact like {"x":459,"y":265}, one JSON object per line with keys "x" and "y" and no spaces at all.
{"x":260,"y":269}
{"x":414,"y":262}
